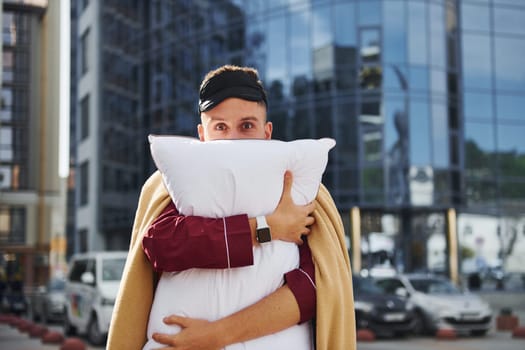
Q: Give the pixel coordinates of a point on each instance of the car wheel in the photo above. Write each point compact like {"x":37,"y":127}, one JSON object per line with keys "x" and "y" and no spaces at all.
{"x":94,"y":334}
{"x":419,"y":323}
{"x":69,"y":329}
{"x":34,"y":314}
{"x":44,"y":317}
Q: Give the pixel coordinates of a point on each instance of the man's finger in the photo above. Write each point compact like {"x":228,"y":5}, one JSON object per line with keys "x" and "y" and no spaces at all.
{"x":174,"y":319}
{"x":310,"y":207}
{"x":287,"y":185}
{"x":310,"y":221}
{"x":164,"y":339}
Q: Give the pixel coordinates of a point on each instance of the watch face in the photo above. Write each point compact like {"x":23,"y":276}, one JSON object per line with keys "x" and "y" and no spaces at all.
{"x":263,"y":235}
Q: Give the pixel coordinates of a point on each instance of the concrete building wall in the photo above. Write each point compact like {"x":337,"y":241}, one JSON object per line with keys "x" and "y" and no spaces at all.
{"x":87,"y":151}
{"x":42,"y":197}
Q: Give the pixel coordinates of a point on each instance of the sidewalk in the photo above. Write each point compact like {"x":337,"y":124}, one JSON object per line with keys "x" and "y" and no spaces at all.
{"x":14,"y":338}
{"x":513,"y":300}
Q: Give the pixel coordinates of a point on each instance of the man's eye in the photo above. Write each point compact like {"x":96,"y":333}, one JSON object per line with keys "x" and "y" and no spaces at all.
{"x":247,"y":126}
{"x":220,"y":127}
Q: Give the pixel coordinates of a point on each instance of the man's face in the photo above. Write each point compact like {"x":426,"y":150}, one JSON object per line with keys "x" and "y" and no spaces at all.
{"x":235,"y":118}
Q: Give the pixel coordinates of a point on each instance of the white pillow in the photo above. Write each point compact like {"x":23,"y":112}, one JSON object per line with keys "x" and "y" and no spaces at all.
{"x":223,"y":178}
{"x":229,"y":177}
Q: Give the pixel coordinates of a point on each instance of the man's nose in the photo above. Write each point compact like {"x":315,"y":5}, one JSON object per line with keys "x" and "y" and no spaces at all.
{"x":234,"y":134}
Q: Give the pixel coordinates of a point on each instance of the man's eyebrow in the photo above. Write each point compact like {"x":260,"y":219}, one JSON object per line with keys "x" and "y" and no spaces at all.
{"x":215,"y":118}
{"x":249,"y":118}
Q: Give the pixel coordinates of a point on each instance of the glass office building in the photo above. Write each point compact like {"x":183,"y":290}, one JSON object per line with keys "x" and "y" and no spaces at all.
{"x":425,"y":99}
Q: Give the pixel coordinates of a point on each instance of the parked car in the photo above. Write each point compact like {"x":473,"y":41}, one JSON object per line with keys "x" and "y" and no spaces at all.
{"x":91,"y":288}
{"x":384,"y":314}
{"x":440,"y":304}
{"x":14,"y":301}
{"x":48,"y":301}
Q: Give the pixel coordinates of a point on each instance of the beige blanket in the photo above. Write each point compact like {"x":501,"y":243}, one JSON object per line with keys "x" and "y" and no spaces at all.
{"x":335,"y":305}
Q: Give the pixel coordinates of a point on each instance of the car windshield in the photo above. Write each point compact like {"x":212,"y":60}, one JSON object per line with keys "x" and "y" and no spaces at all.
{"x":434,"y":286}
{"x":112,"y":269}
{"x":56,"y":285}
{"x":365,"y":286}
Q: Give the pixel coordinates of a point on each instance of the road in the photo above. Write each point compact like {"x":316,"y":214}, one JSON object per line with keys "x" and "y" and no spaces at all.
{"x":493,"y":340}
{"x":12,"y":339}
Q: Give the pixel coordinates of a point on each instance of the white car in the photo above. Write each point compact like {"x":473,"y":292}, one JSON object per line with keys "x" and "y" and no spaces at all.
{"x":91,"y":288}
{"x":440,"y":304}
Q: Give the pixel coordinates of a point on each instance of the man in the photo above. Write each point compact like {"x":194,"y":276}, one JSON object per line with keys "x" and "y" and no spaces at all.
{"x":233,"y":106}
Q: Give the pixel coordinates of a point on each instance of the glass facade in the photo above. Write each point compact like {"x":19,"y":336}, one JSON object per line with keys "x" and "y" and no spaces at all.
{"x":381,"y":77}
{"x":493,"y":42}
{"x":424,"y":99}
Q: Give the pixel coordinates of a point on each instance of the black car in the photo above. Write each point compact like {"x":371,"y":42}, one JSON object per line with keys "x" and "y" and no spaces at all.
{"x":14,"y":301}
{"x":384,"y":314}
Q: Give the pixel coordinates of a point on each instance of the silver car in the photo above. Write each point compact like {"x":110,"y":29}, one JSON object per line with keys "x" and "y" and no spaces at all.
{"x":440,"y":304}
{"x":48,"y":302}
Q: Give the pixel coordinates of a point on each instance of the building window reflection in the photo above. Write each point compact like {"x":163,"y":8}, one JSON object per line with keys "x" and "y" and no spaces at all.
{"x":440,"y":135}
{"x":417,"y":28}
{"x":477,"y":105}
{"x":475,"y":17}
{"x":477,"y":62}
{"x":510,"y":71}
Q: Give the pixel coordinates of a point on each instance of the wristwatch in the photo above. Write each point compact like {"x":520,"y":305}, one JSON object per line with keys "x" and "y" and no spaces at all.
{"x":263,"y":234}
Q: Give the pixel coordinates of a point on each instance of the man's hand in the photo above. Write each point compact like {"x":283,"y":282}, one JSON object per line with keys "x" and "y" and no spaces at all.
{"x":196,"y":334}
{"x":290,"y":221}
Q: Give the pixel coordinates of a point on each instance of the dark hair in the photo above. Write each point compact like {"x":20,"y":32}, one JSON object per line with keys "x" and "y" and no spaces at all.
{"x":230,"y":81}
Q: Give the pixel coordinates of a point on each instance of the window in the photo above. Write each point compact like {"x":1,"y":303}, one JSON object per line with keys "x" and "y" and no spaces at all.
{"x":79,"y":267}
{"x":84,"y":118}
{"x":475,"y":17}
{"x":84,"y":183}
{"x":276,"y":58}
{"x":417,"y":39}
{"x":440,"y":136}
{"x":511,"y":107}
{"x":477,"y":105}
{"x":299,"y":47}
{"x":84,"y":47}
{"x":6,"y":144}
{"x":370,"y":73}
{"x":369,"y":12}
{"x":509,"y":53}
{"x":509,"y":20}
{"x":83,"y":240}
{"x":12,"y":225}
{"x":6,"y":104}
{"x":419,"y":133}
{"x":344,"y":25}
{"x":477,"y":63}
{"x":7,"y":65}
{"x":394,"y":32}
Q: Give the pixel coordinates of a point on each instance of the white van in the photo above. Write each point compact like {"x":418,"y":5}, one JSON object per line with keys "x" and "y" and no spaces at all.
{"x":91,"y":288}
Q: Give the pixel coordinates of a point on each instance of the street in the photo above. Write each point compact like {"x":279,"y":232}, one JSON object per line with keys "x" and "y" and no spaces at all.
{"x":493,"y":340}
{"x":13,"y":339}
